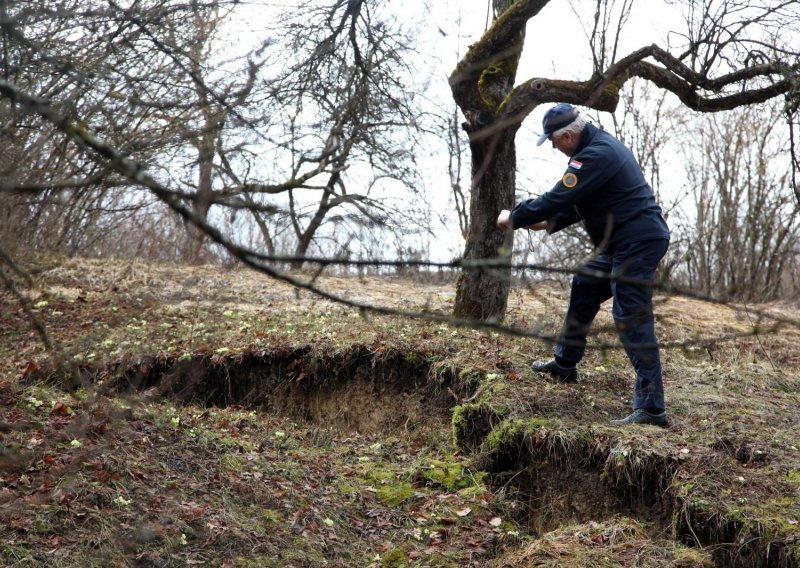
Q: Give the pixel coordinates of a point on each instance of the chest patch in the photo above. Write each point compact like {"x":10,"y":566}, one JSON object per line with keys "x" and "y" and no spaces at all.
{"x":575,"y":164}
{"x":569,"y":180}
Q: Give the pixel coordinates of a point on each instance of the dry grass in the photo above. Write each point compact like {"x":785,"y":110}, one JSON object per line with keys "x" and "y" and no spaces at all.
{"x":615,"y":542}
{"x":334,"y":448}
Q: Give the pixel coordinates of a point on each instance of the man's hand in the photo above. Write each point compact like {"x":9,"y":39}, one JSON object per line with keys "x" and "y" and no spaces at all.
{"x":540,"y":226}
{"x":504,"y":220}
{"x":504,"y":223}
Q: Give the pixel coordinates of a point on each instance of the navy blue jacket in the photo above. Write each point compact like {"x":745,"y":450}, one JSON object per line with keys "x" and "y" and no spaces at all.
{"x":604,"y":187}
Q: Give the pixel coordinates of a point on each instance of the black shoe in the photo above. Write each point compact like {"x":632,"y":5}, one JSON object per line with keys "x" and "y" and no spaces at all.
{"x":565,"y":374}
{"x":642,"y":416}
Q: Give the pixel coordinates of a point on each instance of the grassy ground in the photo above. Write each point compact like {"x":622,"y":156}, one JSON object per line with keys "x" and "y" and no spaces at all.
{"x":216,"y":417}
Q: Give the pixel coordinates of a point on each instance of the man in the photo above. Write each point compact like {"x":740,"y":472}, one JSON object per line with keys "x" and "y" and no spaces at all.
{"x":604,"y":188}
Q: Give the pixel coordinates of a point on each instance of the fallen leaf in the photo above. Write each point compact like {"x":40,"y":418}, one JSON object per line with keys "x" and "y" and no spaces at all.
{"x":30,"y":368}
{"x":61,"y":408}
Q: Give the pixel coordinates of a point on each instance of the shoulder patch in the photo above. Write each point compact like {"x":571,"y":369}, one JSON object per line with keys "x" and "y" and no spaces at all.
{"x":575,"y":164}
{"x":569,"y":180}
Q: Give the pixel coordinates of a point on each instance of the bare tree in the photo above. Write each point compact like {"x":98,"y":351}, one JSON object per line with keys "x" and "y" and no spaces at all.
{"x":346,"y":96}
{"x":733,"y":54}
{"x":316,"y":143}
{"x":455,"y":155}
{"x":212,"y":115}
{"x":654,"y":126}
{"x":746,"y":228}
{"x":95,"y":64}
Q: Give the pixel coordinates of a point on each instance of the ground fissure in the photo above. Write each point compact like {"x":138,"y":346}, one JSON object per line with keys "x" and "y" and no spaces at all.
{"x":229,"y":420}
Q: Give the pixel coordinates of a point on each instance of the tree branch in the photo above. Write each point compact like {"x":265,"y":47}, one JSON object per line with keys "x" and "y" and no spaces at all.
{"x":501,"y":41}
{"x":602,"y":93}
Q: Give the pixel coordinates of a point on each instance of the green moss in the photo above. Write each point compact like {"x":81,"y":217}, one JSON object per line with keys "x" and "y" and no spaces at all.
{"x":469,"y":375}
{"x":345,"y":488}
{"x":449,"y":475}
{"x":271,"y":516}
{"x":495,"y":82}
{"x":439,"y":560}
{"x":793,"y":553}
{"x":473,"y":416}
{"x":775,"y":519}
{"x":395,"y":494}
{"x":503,"y":433}
{"x":476,"y":489}
{"x":458,"y":421}
{"x":509,"y":429}
{"x":685,"y":556}
{"x":536,"y":422}
{"x":265,"y":520}
{"x":379,"y":475}
{"x":14,"y":553}
{"x":395,"y":558}
{"x":233,"y":462}
{"x":42,"y":525}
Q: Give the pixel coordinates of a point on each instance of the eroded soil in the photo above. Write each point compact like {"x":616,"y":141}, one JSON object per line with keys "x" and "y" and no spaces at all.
{"x":211,"y":416}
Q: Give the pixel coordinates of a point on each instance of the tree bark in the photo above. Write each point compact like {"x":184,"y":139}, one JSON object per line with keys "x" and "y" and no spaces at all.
{"x":481,"y":85}
{"x":482,"y":290}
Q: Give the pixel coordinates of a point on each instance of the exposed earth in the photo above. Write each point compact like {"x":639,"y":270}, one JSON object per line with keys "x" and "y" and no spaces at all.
{"x":155,"y":415}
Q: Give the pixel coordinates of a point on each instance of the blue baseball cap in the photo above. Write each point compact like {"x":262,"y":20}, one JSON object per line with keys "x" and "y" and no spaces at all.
{"x":557,"y":118}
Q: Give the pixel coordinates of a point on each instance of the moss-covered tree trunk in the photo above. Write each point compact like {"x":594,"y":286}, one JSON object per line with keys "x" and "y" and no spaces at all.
{"x":481,"y":84}
{"x":482,"y":291}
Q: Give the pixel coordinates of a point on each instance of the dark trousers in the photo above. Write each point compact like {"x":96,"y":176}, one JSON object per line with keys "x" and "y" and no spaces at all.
{"x":632,"y":311}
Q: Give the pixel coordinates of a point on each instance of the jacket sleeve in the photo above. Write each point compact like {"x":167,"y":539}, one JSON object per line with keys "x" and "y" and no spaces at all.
{"x":562,"y":220}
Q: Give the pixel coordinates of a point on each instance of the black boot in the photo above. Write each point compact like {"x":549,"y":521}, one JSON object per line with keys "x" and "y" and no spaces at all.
{"x":564,"y":374}
{"x":642,"y":416}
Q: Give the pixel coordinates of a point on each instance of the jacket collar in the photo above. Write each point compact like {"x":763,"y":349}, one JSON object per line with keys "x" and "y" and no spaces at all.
{"x":587,"y":135}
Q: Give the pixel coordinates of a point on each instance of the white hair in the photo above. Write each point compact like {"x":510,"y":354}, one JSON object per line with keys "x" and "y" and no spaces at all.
{"x":575,"y":126}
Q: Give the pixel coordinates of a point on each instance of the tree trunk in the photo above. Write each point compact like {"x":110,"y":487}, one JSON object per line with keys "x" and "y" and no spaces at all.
{"x":481,"y":84}
{"x":482,"y":291}
{"x":195,"y":238}
{"x":305,"y":237}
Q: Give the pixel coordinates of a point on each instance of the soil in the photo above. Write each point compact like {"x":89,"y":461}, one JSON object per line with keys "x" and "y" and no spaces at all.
{"x":210,"y":416}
